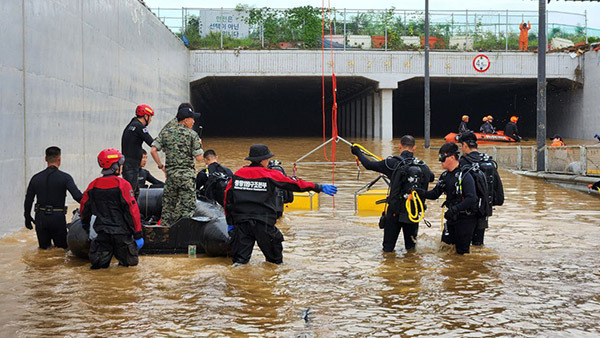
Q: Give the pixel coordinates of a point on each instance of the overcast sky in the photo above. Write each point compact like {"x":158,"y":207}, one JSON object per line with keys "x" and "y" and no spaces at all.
{"x":593,"y":8}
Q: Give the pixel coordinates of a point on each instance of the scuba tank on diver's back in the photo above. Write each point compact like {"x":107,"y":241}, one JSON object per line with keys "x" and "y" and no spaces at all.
{"x":408,"y":175}
{"x":283,"y":196}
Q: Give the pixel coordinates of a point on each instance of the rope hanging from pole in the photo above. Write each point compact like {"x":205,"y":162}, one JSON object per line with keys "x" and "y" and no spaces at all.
{"x":334,"y":129}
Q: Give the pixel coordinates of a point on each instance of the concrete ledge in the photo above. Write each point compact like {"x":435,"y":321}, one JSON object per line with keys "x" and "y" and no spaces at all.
{"x":576,"y":182}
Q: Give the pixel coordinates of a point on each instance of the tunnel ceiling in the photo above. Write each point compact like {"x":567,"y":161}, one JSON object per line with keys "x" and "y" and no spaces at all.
{"x":268,"y":106}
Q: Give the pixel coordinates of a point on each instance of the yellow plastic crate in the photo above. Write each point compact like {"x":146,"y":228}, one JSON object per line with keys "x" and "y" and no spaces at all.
{"x":308,"y":200}
{"x":365,"y":201}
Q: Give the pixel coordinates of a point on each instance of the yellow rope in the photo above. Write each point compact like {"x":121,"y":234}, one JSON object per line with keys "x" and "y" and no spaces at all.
{"x":417,"y":213}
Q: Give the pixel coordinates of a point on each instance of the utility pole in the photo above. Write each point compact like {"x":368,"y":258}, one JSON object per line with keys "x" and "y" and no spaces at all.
{"x":541,"y":88}
{"x":427,"y":89}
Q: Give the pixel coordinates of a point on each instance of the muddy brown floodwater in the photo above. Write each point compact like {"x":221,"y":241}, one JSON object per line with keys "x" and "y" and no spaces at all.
{"x":537,"y":275}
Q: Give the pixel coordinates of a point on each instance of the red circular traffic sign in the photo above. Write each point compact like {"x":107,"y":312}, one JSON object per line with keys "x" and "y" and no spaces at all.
{"x":481,"y":63}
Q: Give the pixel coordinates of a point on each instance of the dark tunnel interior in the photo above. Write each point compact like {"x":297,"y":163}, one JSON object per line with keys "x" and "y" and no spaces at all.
{"x":268,"y":106}
{"x":453,"y":97}
{"x":292,"y":106}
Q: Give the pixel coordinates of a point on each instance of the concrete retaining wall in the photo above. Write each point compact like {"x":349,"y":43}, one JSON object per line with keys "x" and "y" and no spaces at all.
{"x":575,"y":113}
{"x":71,"y":75}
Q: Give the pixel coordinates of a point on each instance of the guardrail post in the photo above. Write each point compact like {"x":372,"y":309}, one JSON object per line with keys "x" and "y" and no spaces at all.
{"x":344,"y":29}
{"x":519,"y":158}
{"x":532,"y":158}
{"x":495,"y":153}
{"x":583,"y":159}
{"x":544,"y":153}
{"x":506,"y":31}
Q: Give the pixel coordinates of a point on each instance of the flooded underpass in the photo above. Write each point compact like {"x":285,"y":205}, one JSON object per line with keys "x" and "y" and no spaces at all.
{"x":537,"y":275}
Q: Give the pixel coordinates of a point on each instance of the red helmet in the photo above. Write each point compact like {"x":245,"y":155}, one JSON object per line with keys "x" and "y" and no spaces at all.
{"x":110,"y":156}
{"x":144,"y":109}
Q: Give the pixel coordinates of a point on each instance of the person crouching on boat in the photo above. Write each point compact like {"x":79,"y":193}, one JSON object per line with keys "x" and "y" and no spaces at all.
{"x":463,"y":127}
{"x":511,"y":129}
{"x":112,"y":200}
{"x":251,"y":206}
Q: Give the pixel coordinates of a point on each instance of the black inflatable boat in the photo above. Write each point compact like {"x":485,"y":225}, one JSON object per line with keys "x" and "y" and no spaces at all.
{"x":207,"y":229}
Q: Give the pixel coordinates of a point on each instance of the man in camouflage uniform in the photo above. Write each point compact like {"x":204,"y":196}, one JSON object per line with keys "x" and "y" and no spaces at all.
{"x":174,"y":121}
{"x":181,"y":146}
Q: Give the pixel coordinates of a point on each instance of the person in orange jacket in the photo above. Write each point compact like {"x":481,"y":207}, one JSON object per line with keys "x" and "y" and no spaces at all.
{"x":557,"y":141}
{"x":523,"y":38}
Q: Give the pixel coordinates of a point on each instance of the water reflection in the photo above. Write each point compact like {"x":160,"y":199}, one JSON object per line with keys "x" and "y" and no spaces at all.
{"x":537,"y":275}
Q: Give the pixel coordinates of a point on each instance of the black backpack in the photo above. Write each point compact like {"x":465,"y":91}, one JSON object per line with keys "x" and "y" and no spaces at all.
{"x":407,"y":175}
{"x":483,"y":208}
{"x":215,"y":186}
{"x":490,"y":169}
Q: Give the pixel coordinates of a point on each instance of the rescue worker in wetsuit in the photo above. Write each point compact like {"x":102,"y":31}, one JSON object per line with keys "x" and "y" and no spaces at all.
{"x":463,"y":127}
{"x":50,"y":187}
{"x":111,"y":199}
{"x":524,"y":36}
{"x":212,"y":181}
{"x":250,"y":206}
{"x":461,"y":199}
{"x":511,"y":128}
{"x":396,"y":216}
{"x":146,"y":176}
{"x":470,"y":156}
{"x":134,"y":135}
{"x":487,"y":126}
{"x":181,"y":146}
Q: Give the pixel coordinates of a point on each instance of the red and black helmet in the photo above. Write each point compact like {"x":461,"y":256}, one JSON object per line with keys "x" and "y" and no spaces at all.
{"x":109,"y":157}
{"x":144,"y":109}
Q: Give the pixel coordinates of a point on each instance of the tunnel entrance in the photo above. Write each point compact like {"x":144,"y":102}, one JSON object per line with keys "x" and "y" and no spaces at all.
{"x":268,"y":106}
{"x":453,"y":97}
{"x":291,"y":106}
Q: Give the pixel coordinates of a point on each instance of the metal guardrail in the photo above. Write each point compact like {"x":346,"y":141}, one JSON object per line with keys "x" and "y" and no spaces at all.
{"x":579,"y":160}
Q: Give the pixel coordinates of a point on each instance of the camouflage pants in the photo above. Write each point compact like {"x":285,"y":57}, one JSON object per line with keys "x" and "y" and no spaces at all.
{"x":179,"y":196}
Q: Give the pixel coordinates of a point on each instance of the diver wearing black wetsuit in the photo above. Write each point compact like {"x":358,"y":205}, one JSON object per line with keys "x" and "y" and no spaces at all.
{"x":134,"y":135}
{"x":461,"y":199}
{"x":146,"y":176}
{"x":49,"y":187}
{"x":395,"y":217}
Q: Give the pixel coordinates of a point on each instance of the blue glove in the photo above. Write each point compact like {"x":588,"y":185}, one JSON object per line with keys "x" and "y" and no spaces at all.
{"x":139,"y":243}
{"x":229,"y":228}
{"x":329,"y":189}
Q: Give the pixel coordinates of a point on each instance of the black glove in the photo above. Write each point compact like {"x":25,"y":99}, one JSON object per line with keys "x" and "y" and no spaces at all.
{"x":451,"y":214}
{"x":421,"y":192}
{"x":355,"y":150}
{"x":28,"y":221}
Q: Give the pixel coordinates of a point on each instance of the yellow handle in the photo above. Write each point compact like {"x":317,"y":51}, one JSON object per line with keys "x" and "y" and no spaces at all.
{"x":367,"y":152}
